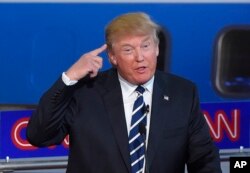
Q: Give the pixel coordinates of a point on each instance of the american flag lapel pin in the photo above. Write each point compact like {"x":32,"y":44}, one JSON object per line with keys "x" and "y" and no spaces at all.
{"x":166,"y":98}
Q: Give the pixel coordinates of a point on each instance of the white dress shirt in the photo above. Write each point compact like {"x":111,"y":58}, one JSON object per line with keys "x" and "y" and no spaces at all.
{"x":129,"y":96}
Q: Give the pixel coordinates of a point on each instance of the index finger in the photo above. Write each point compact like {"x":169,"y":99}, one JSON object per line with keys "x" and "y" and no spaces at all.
{"x":98,"y":50}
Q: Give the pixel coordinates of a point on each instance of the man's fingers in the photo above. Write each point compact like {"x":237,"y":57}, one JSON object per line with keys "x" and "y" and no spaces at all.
{"x":98,"y":50}
{"x":95,"y":66}
{"x":97,"y":62}
{"x":87,"y":63}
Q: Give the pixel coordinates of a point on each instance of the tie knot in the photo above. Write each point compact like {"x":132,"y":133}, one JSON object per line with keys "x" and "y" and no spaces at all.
{"x":140,"y":89}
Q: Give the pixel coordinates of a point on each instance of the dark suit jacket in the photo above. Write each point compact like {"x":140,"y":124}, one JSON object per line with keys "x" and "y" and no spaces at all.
{"x":92,"y":113}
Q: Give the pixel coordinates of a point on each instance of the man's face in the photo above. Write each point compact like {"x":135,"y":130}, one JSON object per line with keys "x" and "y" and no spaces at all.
{"x":135,"y":58}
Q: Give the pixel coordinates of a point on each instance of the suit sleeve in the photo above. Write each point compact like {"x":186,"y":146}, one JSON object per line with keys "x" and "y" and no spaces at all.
{"x":50,"y":121}
{"x":203,"y":155}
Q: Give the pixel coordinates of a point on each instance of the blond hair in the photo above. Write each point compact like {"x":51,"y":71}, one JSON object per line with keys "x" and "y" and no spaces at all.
{"x":130,"y":24}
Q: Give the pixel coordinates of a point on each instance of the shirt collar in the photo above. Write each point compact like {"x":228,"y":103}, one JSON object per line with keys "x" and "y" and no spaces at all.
{"x":128,"y":88}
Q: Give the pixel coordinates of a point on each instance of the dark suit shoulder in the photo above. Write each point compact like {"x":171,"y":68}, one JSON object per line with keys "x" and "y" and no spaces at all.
{"x":173,"y":81}
{"x":101,"y":77}
{"x":105,"y":81}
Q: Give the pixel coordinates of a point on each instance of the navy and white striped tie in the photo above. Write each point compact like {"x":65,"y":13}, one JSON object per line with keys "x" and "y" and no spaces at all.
{"x":136,"y":140}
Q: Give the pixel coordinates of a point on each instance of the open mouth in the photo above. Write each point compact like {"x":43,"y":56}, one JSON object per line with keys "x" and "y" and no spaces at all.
{"x":141,"y":69}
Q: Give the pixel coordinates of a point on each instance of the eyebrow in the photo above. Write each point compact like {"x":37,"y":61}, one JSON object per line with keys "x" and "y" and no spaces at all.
{"x":144,"y":40}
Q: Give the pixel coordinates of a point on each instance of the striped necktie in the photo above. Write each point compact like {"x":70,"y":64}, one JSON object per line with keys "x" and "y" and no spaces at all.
{"x":136,"y":140}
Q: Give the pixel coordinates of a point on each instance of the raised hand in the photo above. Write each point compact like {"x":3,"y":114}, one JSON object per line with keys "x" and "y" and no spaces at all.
{"x":88,"y":63}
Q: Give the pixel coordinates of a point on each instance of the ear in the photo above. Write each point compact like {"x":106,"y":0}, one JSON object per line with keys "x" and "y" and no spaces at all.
{"x":112,"y":58}
{"x":157,"y":51}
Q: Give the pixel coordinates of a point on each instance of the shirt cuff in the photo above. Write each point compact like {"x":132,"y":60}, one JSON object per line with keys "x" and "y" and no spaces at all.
{"x":66,"y":80}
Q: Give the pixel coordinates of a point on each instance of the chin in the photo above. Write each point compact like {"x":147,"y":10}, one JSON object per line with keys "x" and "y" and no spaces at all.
{"x":143,"y":80}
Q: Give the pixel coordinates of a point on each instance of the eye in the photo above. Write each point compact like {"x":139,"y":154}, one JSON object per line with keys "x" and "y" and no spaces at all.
{"x":127,"y":50}
{"x":145,"y":45}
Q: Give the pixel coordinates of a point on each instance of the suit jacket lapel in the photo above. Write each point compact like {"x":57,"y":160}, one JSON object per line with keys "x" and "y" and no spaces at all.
{"x":160,"y":110}
{"x":114,"y":104}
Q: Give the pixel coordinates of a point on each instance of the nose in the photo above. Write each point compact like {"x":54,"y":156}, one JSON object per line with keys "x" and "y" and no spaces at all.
{"x":139,"y":55}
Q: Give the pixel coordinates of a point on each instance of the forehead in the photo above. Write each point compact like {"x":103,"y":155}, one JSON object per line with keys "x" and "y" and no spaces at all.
{"x":133,"y":40}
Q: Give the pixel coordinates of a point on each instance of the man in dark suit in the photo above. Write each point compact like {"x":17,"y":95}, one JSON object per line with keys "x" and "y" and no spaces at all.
{"x":95,"y":109}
